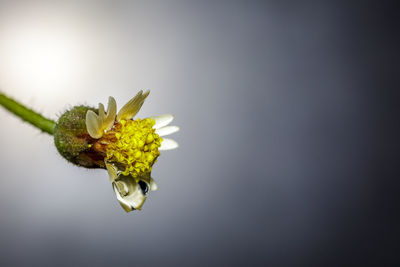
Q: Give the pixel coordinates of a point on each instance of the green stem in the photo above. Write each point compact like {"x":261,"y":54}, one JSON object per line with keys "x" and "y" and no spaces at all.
{"x":27,"y":114}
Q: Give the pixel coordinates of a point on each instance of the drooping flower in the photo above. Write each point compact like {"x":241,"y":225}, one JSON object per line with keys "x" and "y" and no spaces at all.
{"x":127,"y":148}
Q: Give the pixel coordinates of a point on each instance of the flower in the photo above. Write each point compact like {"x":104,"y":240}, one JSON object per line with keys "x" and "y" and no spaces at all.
{"x":93,"y":138}
{"x":129,"y":147}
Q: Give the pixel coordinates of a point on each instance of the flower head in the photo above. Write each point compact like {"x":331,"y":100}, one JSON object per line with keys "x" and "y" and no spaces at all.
{"x":127,"y":148}
{"x":134,"y":146}
{"x":96,"y":138}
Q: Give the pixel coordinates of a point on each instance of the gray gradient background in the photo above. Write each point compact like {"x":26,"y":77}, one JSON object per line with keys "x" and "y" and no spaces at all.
{"x":288,"y":141}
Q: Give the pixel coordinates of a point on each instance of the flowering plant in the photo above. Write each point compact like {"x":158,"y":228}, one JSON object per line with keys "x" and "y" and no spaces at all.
{"x":95,"y":138}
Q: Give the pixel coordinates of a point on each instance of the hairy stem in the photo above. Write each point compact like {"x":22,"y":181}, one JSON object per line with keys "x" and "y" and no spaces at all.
{"x":27,"y":114}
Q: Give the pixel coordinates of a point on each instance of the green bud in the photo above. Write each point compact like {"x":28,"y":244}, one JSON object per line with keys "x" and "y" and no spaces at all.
{"x":74,"y":142}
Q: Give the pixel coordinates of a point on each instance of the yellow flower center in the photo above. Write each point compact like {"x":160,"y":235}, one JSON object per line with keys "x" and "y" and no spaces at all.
{"x":135,"y":146}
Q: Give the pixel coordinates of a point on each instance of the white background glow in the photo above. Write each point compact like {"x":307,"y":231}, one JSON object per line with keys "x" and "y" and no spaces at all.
{"x":37,"y":56}
{"x":53,"y":54}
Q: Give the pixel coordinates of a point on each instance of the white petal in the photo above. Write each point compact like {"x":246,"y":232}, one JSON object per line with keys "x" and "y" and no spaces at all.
{"x":97,"y":124}
{"x":102,"y":114}
{"x":108,"y":120}
{"x":167,"y":130}
{"x":134,"y":201}
{"x":129,"y":193}
{"x":162,"y":120}
{"x":153,"y":185}
{"x":92,"y":124}
{"x":168,"y":144}
{"x":130,"y":109}
{"x":112,"y":171}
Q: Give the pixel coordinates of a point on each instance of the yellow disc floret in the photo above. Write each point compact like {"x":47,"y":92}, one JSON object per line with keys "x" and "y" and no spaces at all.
{"x":135,"y":146}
